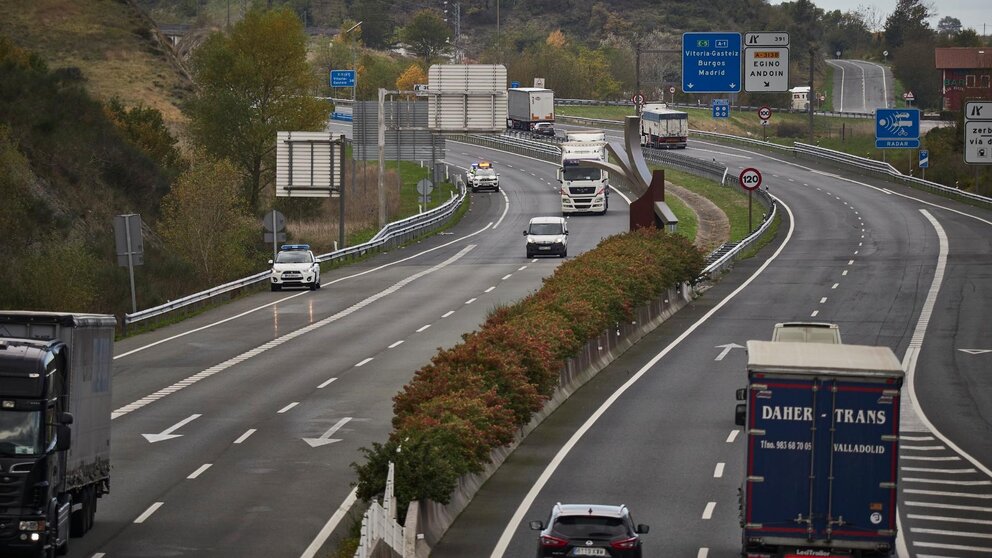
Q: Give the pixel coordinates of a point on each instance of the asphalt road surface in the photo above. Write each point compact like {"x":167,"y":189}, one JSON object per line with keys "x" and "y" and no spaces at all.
{"x":861,"y":86}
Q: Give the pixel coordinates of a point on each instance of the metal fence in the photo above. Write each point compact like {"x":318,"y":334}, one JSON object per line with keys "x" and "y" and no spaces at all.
{"x":397,"y":232}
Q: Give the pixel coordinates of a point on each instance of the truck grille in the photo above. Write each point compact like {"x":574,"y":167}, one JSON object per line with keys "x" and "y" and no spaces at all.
{"x":586,"y":190}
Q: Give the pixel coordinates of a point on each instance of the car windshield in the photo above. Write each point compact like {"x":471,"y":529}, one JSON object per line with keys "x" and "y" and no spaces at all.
{"x":293,"y":256}
{"x":583,"y":526}
{"x":581,"y":173}
{"x":20,"y":433}
{"x":545,"y":228}
{"x":485,"y":172}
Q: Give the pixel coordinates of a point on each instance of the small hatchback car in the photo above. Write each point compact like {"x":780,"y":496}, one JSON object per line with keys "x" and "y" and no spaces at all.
{"x":295,"y":266}
{"x":589,"y":530}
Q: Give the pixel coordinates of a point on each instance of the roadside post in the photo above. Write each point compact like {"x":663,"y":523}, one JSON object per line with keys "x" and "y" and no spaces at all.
{"x":764,"y":113}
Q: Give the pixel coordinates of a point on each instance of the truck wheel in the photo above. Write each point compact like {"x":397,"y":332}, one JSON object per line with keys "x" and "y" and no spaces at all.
{"x":77,"y":519}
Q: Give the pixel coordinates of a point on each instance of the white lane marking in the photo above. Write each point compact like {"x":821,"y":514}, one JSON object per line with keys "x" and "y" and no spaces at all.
{"x":364,"y":362}
{"x":528,"y":500}
{"x":506,"y":208}
{"x":951,"y":494}
{"x":704,"y":552}
{"x":331,"y":525}
{"x":948,"y":481}
{"x":850,"y":262}
{"x":287,"y":337}
{"x":329,"y":381}
{"x":947,"y":506}
{"x":148,"y":513}
{"x":924,"y":458}
{"x":856,"y":252}
{"x":917,"y":438}
{"x":288,"y":407}
{"x":930,"y":470}
{"x":199,"y":471}
{"x":522,"y":268}
{"x":835,"y":286}
{"x":534,"y":260}
{"x":507,"y":276}
{"x":954,"y":519}
{"x":718,"y":152}
{"x":99,"y":555}
{"x":718,"y":471}
{"x":396,"y":344}
{"x":844,"y":273}
{"x":490,"y":289}
{"x":422,"y":328}
{"x":951,"y":547}
{"x":814,"y":314}
{"x":823,"y":300}
{"x":448,"y":313}
{"x":860,"y":243}
{"x":842,"y":79}
{"x":923,"y":448}
{"x":951,"y":533}
{"x":732,"y":436}
{"x":245,"y":436}
{"x":708,"y":512}
{"x":471,"y":300}
{"x":167,"y":434}
{"x":885,"y":84}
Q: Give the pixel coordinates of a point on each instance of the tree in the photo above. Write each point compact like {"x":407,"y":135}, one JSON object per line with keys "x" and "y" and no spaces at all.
{"x":144,"y":127}
{"x":949,"y":25}
{"x":427,"y":35}
{"x":253,"y":83}
{"x":205,"y":221}
{"x":907,"y":23}
{"x":377,"y":23}
{"x":413,"y":75}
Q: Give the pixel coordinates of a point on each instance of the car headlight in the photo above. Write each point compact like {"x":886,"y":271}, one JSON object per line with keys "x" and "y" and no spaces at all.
{"x":530,"y":240}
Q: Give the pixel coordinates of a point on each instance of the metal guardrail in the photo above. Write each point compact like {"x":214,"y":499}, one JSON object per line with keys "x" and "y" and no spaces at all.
{"x":393,"y":233}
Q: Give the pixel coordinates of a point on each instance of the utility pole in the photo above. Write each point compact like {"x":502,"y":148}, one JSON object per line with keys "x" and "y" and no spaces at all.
{"x":812,"y":60}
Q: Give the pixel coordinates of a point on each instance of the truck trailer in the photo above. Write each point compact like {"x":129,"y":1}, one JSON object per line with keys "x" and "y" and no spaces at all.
{"x":55,"y":406}
{"x":662,"y":127}
{"x":822,"y":436}
{"x":527,"y":106}
{"x":583,"y":189}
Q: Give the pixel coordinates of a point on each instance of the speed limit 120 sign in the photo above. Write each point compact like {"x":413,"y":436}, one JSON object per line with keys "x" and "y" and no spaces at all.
{"x":750,"y":178}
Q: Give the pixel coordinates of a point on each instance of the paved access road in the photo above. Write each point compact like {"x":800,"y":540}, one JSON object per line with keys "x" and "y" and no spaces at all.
{"x":861,"y":86}
{"x":655,"y":430}
{"x":235,"y":429}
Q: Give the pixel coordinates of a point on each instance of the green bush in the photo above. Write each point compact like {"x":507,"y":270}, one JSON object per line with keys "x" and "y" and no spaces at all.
{"x":473,"y":397}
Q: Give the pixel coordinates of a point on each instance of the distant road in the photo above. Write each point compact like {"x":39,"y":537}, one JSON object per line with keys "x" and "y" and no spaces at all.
{"x":861,"y":86}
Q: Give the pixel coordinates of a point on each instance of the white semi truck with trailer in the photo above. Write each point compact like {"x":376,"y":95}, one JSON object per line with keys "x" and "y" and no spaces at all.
{"x":527,"y":106}
{"x":662,"y":127}
{"x":583,"y":189}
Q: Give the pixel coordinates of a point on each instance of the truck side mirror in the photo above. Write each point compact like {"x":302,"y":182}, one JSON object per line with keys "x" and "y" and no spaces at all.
{"x":740,"y":415}
{"x":270,"y":262}
{"x":66,"y":418}
{"x":741,"y":394}
{"x":525,"y":233}
{"x":63,"y":437}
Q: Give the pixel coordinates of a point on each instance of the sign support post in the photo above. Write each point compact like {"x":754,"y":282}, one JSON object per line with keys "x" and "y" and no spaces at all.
{"x":750,"y":180}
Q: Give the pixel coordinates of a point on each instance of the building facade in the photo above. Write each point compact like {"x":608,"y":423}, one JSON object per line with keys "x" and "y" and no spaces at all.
{"x":966,"y":73}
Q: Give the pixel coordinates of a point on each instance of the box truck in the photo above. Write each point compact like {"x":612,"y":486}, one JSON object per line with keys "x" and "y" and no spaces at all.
{"x":664,"y":127}
{"x":55,"y":405}
{"x":527,"y":106}
{"x":583,"y":189}
{"x":822,"y":437}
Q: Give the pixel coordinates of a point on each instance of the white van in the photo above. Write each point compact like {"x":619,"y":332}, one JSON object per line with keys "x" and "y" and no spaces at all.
{"x":547,"y":236}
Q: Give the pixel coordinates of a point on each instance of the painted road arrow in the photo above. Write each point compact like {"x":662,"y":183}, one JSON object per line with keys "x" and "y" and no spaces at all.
{"x":326,"y":439}
{"x":167,"y":434}
{"x":726,"y":349}
{"x":975,"y":351}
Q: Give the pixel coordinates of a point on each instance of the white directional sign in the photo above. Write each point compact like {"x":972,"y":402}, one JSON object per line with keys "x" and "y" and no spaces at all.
{"x":726,"y":349}
{"x":167,"y":434}
{"x":766,"y":69}
{"x":978,"y":133}
{"x":766,"y":39}
{"x":325,"y":438}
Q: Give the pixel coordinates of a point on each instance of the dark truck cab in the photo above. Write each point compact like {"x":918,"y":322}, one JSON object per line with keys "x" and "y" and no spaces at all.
{"x":822,"y":432}
{"x":54,"y":427}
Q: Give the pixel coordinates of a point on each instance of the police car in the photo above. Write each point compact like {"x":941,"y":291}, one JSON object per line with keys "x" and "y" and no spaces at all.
{"x":482,"y":175}
{"x":295,"y":266}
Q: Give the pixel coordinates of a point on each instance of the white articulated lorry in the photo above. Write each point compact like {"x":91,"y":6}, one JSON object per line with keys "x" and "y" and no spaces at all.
{"x":663,"y":127}
{"x":527,"y":106}
{"x":583,"y":189}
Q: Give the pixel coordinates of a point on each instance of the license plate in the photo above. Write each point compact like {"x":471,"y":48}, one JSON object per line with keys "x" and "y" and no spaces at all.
{"x":548,"y":248}
{"x":586,"y":551}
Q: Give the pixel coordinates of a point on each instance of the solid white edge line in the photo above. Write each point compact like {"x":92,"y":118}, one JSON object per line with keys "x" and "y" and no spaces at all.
{"x":331,"y":524}
{"x":506,"y":208}
{"x":528,"y":501}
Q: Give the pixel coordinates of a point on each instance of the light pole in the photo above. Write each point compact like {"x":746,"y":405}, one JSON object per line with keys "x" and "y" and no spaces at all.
{"x":354,"y":63}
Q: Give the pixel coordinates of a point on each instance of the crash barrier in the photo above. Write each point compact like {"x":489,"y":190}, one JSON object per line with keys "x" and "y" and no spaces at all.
{"x":395,"y":233}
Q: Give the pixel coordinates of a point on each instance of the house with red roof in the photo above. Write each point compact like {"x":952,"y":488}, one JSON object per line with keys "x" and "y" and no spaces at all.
{"x":966,"y":73}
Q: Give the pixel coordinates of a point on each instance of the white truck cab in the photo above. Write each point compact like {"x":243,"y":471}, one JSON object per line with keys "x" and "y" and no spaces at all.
{"x":295,"y":266}
{"x":547,"y":236}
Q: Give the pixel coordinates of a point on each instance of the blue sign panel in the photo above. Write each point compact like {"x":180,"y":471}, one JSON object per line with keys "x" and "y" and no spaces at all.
{"x":897,"y":128}
{"x":514,"y":84}
{"x":711,"y":62}
{"x":342,"y":78}
{"x":721,"y":108}
{"x":924,"y":159}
